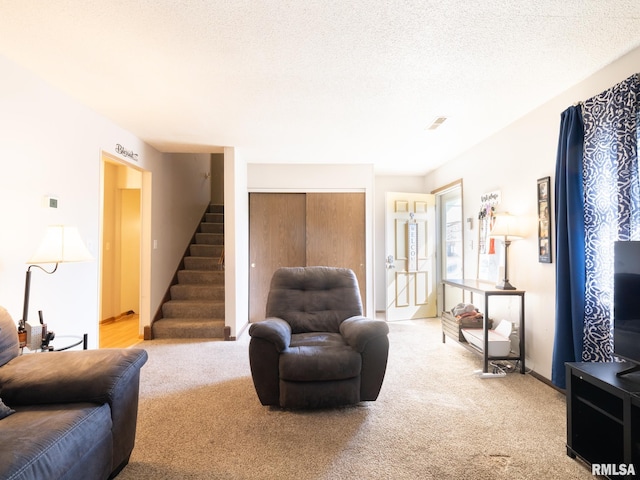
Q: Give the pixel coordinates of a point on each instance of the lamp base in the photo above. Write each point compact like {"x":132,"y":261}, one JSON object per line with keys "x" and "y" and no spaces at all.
{"x":505,"y":285}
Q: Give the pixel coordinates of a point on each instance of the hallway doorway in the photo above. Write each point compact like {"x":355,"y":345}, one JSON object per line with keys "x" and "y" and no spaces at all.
{"x":120,"y":254}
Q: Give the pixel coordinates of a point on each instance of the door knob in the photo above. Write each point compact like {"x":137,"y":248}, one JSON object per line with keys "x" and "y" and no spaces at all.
{"x":389,"y":263}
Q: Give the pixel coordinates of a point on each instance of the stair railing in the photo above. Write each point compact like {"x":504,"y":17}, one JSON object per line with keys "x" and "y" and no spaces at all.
{"x":221,"y":258}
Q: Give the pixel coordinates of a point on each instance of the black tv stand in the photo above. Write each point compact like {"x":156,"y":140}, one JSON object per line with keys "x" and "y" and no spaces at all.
{"x":603,"y":415}
{"x":635,"y":368}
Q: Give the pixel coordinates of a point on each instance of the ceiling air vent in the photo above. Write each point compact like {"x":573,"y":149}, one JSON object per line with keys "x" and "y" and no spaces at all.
{"x":437,"y":123}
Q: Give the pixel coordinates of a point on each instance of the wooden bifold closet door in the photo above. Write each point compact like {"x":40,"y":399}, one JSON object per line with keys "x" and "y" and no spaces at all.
{"x":303,"y":229}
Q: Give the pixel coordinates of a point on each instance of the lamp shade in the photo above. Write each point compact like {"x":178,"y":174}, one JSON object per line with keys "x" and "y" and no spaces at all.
{"x":507,"y":226}
{"x":61,"y":244}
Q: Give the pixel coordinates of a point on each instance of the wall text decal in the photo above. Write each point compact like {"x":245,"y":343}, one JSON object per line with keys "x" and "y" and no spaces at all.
{"x":126,"y":153}
{"x":491,"y":198}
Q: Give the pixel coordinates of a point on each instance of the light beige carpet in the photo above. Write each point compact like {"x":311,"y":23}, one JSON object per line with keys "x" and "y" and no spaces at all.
{"x":200,"y":418}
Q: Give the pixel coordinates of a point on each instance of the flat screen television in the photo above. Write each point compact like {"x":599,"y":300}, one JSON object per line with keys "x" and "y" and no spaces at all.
{"x":626,"y":303}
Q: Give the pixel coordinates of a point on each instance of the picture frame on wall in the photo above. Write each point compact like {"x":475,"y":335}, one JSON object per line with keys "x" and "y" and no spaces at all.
{"x":544,"y":220}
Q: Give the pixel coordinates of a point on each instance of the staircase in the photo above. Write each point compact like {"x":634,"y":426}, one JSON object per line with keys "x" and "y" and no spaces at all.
{"x":196,"y":305}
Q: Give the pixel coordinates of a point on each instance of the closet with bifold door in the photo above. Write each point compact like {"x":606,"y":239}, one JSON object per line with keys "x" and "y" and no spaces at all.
{"x":303,"y":229}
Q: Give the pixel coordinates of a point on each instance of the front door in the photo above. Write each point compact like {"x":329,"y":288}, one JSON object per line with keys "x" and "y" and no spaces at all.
{"x":410,"y":256}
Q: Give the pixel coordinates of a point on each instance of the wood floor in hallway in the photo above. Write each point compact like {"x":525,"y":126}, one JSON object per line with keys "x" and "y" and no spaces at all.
{"x":121,"y":333}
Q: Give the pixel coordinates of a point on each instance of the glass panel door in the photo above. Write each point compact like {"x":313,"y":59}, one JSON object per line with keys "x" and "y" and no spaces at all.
{"x":451,"y":233}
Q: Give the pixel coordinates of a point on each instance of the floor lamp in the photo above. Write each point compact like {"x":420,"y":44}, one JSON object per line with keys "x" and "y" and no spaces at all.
{"x":506,"y":228}
{"x":60,"y":244}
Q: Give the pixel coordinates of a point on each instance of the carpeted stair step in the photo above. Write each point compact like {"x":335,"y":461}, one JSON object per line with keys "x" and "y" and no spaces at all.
{"x":214,"y":217}
{"x":201,"y":277}
{"x":209,"y":227}
{"x":189,"y":328}
{"x":202,"y":263}
{"x":197,"y":292}
{"x":203,"y":250}
{"x":209,"y":238}
{"x":193,"y":309}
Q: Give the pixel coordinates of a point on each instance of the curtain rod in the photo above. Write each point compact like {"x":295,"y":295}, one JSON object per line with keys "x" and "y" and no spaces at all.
{"x":580,"y":103}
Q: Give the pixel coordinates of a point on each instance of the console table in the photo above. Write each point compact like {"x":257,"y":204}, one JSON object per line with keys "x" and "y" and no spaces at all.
{"x":488,"y":290}
{"x":603,"y":413}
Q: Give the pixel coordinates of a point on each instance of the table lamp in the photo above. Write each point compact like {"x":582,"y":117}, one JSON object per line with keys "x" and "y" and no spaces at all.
{"x":60,"y":244}
{"x":507,"y":228}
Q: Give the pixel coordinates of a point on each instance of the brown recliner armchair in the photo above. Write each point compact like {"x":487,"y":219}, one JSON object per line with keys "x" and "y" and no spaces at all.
{"x":315,"y":349}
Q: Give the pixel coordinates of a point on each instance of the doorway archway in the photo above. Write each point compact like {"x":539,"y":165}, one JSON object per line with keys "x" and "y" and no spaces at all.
{"x":122,"y":254}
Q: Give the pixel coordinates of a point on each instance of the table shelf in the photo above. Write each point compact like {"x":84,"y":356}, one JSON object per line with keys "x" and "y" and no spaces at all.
{"x":486,"y":290}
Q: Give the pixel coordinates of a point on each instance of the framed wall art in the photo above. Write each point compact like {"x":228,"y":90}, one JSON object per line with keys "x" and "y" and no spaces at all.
{"x":544,"y":220}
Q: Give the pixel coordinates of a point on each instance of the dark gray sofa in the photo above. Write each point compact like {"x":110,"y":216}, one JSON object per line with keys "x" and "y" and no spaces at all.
{"x":75,"y":412}
{"x":315,"y":349}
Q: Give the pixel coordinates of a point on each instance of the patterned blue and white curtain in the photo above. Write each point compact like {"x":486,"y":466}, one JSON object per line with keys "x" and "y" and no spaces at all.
{"x":611,"y":206}
{"x":608,"y":186}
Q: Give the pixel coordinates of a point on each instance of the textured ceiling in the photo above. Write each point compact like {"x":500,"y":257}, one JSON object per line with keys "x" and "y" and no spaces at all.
{"x":317,"y":81}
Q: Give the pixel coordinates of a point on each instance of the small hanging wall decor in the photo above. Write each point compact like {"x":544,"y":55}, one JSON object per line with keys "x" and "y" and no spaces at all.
{"x":488,"y":201}
{"x":544,"y":220}
{"x":488,"y":261}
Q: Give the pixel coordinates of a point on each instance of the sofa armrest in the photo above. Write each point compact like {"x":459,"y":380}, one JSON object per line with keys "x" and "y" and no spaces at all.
{"x":100,"y":376}
{"x":358,"y":331}
{"x":70,"y":376}
{"x":274,"y":330}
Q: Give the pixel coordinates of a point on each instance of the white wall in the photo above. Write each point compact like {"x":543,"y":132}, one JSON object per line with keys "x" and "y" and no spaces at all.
{"x":52,"y":144}
{"x":236,"y":242}
{"x":324,"y":178}
{"x":512,"y":161}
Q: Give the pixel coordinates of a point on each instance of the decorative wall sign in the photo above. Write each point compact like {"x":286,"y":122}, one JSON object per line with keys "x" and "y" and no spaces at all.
{"x":126,"y":153}
{"x":488,"y":260}
{"x":412,"y":240}
{"x":491,"y":198}
{"x":544,"y":220}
